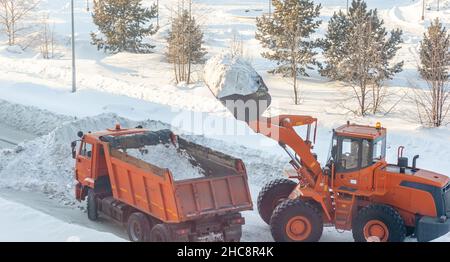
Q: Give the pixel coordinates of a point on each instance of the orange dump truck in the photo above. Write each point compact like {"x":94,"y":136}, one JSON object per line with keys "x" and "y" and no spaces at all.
{"x":148,"y":200}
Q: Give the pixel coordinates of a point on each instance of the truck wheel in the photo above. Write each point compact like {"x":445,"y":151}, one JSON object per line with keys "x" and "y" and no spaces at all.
{"x":378,"y":223}
{"x":92,"y":210}
{"x":138,"y":227}
{"x":161,"y":233}
{"x":296,"y":221}
{"x":271,"y":195}
{"x":233,"y":234}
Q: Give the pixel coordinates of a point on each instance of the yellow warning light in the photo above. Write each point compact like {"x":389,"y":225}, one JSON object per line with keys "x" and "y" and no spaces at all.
{"x":378,"y":125}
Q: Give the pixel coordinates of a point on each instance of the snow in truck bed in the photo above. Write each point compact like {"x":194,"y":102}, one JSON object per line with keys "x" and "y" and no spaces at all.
{"x":167,"y":156}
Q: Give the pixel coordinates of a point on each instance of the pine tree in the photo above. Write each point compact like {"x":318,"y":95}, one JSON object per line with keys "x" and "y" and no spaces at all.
{"x":287,"y":34}
{"x":434,"y":104}
{"x":184,"y":45}
{"x":123,"y":24}
{"x":334,"y":48}
{"x":358,"y":50}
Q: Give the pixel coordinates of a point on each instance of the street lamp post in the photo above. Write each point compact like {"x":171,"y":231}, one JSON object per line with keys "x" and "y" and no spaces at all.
{"x":74,"y":79}
{"x":157,"y":14}
{"x":270,"y":8}
{"x":423,"y":9}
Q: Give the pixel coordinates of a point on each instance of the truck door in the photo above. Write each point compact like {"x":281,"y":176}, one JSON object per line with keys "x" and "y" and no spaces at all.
{"x":84,"y":161}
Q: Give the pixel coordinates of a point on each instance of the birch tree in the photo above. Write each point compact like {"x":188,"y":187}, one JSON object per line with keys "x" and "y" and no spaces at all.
{"x":13,"y":14}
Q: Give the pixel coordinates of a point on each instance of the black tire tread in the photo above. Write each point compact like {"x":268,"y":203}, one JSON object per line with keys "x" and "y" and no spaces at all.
{"x":91,"y":205}
{"x":161,"y":229}
{"x":267,"y":190}
{"x":146,"y":226}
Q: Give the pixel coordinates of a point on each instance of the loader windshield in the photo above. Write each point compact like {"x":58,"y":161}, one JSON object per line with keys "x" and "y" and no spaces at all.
{"x":354,"y":153}
{"x":379,"y":149}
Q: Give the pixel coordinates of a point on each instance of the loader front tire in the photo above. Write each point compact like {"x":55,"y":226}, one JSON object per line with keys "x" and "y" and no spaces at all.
{"x":92,"y":210}
{"x":161,"y":233}
{"x":138,"y":227}
{"x":272,"y":194}
{"x":378,"y":223}
{"x":295,"y":220}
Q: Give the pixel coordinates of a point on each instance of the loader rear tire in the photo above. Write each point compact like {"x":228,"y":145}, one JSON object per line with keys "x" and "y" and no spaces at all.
{"x":272,"y":194}
{"x":295,"y":220}
{"x":92,"y":210}
{"x":378,"y":223}
{"x":161,"y":233}
{"x":138,"y":227}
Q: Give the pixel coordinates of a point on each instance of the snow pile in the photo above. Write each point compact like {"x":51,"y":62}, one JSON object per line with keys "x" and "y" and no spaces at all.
{"x":45,"y":164}
{"x":226,"y":75}
{"x":167,"y":156}
{"x":30,"y":119}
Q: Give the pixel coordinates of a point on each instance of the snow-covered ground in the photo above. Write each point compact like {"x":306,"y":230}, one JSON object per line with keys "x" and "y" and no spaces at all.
{"x":139,"y":87}
{"x":22,"y":223}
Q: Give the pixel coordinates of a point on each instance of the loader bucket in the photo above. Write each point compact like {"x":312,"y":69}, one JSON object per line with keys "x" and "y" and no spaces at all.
{"x":249,"y":107}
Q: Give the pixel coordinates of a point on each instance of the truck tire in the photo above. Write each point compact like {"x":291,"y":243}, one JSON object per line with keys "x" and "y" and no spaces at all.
{"x":233,"y":234}
{"x":161,"y":233}
{"x":378,"y":223}
{"x":271,"y":195}
{"x":295,"y":220}
{"x":92,"y":210}
{"x":138,"y":227}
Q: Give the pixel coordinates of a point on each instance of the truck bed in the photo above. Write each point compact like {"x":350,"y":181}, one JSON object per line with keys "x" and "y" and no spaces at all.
{"x":153,"y":190}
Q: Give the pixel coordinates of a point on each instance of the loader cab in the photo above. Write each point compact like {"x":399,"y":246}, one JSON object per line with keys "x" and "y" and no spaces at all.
{"x":357,"y":147}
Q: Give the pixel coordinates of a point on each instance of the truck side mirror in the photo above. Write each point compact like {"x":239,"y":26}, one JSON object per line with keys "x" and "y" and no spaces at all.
{"x":73,"y":145}
{"x":327,"y":171}
{"x":80,"y":134}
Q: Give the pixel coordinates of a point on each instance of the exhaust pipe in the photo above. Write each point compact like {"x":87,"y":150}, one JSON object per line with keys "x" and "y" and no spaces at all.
{"x":414,"y":162}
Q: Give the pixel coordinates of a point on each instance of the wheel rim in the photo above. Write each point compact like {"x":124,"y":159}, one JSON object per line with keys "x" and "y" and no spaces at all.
{"x":378,"y":229}
{"x":136,"y":232}
{"x":298,"y":228}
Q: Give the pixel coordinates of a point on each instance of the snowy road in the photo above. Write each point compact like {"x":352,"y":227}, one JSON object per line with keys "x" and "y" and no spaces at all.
{"x":50,"y":219}
{"x":28,"y":221}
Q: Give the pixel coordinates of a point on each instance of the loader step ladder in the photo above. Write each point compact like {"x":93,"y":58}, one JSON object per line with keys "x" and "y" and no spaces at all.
{"x":344,"y":204}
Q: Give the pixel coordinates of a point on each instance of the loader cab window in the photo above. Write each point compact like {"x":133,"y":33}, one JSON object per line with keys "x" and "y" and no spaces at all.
{"x":358,"y":153}
{"x":348,"y":154}
{"x":379,"y":149}
{"x":86,"y":150}
{"x":366,"y":156}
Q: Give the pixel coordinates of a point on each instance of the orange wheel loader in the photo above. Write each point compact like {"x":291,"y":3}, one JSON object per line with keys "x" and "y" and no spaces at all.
{"x":146,"y":198}
{"x":356,"y":190}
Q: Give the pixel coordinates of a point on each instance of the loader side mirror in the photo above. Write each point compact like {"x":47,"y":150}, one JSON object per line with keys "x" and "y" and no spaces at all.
{"x":80,"y":134}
